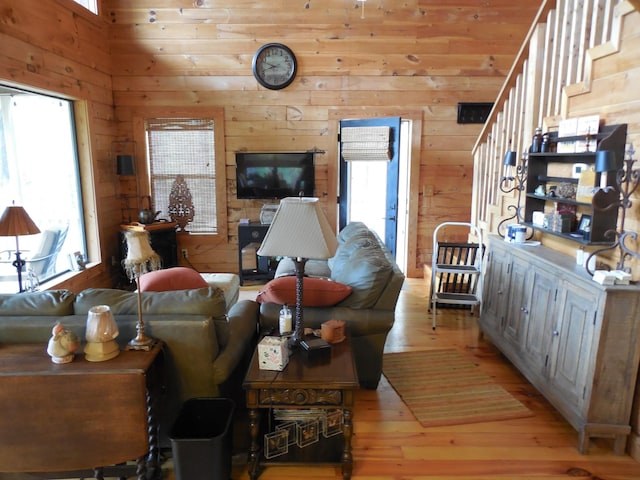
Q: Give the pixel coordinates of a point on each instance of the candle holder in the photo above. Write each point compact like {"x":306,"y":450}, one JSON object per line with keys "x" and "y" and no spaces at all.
{"x":608,"y":198}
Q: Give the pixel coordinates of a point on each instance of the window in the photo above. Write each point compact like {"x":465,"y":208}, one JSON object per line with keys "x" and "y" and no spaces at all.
{"x":91,"y":5}
{"x":39,"y":171}
{"x":186,"y":173}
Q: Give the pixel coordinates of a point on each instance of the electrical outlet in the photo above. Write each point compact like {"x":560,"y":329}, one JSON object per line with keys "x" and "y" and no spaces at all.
{"x":185,"y":253}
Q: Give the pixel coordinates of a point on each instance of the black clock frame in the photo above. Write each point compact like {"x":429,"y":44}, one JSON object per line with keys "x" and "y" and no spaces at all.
{"x":292,"y":76}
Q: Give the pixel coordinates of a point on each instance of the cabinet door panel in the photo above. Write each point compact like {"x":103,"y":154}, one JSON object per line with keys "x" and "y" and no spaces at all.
{"x":571,"y":364}
{"x":495,"y":290}
{"x":518,"y":302}
{"x":540,"y":319}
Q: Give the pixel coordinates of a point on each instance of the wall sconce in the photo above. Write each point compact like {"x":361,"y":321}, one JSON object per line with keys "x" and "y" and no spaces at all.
{"x":520,"y":178}
{"x":605,"y":162}
{"x":509,"y":162}
{"x":618,"y":196}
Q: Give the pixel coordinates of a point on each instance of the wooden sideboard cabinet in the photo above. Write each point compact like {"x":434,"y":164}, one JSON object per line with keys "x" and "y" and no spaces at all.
{"x":576,"y":341}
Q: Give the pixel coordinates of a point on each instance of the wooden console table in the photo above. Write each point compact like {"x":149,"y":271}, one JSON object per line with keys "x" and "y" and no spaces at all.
{"x":303,"y":385}
{"x":78,"y":417}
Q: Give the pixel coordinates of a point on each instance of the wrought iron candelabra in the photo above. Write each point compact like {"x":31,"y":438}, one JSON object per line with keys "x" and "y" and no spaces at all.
{"x":627,"y":181}
{"x":519,"y":180}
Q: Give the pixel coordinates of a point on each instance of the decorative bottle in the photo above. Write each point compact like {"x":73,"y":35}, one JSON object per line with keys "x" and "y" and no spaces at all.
{"x":536,"y":143}
{"x":285,"y":320}
{"x":545,"y":146}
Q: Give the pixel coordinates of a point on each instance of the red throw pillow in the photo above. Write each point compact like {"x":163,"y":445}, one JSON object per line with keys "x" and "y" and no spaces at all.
{"x":169,"y":279}
{"x":317,"y":292}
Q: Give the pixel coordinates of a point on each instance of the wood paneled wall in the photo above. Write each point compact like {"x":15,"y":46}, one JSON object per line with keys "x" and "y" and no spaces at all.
{"x":413,"y":56}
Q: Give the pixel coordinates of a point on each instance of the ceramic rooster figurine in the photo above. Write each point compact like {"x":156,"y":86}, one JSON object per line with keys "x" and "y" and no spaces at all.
{"x":63,"y":344}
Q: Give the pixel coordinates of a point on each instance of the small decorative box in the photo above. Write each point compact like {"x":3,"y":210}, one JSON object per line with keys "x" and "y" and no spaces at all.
{"x":273,"y":353}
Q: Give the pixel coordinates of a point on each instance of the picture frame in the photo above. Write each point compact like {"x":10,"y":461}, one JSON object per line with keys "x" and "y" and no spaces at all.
{"x":332,"y":424}
{"x":308,"y":433}
{"x":276,"y":443}
{"x":291,"y":428}
{"x":584,"y":227}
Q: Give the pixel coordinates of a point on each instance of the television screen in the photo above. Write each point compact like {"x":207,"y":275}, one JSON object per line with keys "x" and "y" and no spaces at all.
{"x":274,"y":175}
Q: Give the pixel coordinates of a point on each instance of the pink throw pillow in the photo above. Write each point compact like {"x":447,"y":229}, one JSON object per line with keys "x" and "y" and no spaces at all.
{"x":169,"y":279}
{"x":317,"y":292}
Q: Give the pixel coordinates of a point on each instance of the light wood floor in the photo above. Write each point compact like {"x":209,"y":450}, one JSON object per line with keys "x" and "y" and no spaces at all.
{"x":390,"y":444}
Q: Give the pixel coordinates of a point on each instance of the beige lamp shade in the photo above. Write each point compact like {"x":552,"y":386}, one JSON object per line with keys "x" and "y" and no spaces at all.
{"x":299,"y":229}
{"x":101,"y":332}
{"x":16,"y":221}
{"x":140,"y":256}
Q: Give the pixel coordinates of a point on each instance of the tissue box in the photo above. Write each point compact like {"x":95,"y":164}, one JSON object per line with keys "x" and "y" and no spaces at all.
{"x":273,"y":353}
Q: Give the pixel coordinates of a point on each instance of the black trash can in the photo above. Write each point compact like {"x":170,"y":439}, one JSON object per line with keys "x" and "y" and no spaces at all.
{"x":201,"y":439}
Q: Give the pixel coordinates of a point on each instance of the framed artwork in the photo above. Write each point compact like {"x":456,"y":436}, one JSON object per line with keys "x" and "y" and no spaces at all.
{"x":584,"y":227}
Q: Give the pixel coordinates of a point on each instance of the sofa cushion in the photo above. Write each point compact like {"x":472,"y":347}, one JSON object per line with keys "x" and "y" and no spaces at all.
{"x":229,"y":283}
{"x":359,"y":241}
{"x":45,"y":303}
{"x":203,"y":301}
{"x":367,"y":272}
{"x":317,"y":292}
{"x":174,"y":278}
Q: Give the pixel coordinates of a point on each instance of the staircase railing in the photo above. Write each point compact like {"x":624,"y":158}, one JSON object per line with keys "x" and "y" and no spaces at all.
{"x":552,"y":63}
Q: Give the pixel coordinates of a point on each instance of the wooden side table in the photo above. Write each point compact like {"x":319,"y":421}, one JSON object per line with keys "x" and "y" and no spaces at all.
{"x":79,"y":417}
{"x":304,"y":385}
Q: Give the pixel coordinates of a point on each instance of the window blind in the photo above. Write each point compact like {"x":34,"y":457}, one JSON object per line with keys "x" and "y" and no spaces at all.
{"x":365,"y":143}
{"x":182,"y":170}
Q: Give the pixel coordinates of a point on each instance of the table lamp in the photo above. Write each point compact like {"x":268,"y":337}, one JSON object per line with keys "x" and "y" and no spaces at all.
{"x":140,"y":259}
{"x":299,"y":230}
{"x":100,"y":333}
{"x":15,"y":221}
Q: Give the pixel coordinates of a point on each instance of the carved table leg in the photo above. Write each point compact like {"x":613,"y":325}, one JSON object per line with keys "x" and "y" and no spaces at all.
{"x":254,"y":449}
{"x":153,"y":457}
{"x":141,"y":468}
{"x":347,"y":457}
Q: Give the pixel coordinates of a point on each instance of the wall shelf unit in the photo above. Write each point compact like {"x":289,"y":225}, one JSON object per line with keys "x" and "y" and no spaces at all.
{"x":542,"y":169}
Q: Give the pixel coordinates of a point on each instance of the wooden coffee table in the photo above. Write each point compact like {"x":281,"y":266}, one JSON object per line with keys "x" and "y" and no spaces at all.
{"x":324,"y":386}
{"x":81,"y":416}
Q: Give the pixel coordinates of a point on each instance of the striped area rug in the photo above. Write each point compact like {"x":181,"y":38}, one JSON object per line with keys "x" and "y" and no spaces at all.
{"x":444,"y":387}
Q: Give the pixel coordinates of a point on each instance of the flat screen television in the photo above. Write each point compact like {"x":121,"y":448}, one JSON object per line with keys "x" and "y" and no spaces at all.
{"x":265,"y":175}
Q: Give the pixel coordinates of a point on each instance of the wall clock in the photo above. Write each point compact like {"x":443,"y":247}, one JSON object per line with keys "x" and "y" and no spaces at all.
{"x":274,"y":66}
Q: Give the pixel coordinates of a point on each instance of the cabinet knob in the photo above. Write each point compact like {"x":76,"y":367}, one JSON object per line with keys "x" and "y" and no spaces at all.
{"x":556,"y":333}
{"x":524,"y":310}
{"x":499,"y":292}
